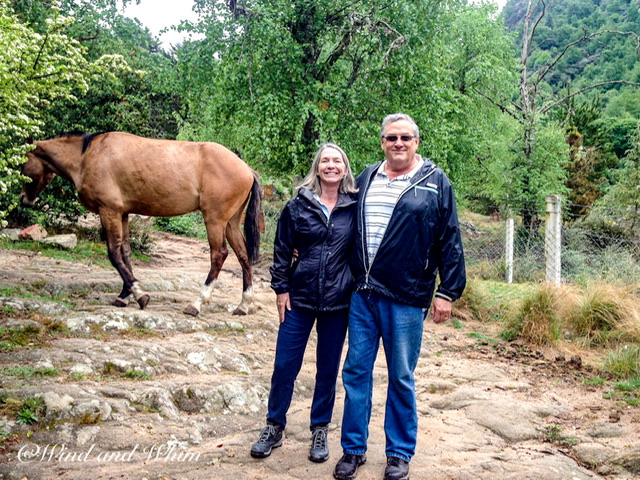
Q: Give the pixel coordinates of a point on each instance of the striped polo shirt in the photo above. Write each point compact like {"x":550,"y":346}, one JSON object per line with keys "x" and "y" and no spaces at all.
{"x":379,"y":203}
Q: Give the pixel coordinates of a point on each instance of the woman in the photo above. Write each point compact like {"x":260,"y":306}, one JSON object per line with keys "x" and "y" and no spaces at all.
{"x":312,"y":281}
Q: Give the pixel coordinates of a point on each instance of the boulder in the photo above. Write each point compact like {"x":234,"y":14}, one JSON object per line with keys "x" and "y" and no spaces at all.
{"x":34,"y":232}
{"x":68,"y":242}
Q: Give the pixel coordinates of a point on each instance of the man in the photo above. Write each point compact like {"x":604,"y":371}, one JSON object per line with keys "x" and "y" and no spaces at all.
{"x":407,"y":234}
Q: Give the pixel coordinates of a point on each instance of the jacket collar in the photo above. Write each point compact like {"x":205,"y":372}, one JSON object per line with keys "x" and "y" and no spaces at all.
{"x":344,"y":199}
{"x":427,"y":166}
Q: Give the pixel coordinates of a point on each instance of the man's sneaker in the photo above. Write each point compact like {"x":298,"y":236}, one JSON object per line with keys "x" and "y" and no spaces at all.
{"x":397,"y":469}
{"x":270,"y":438}
{"x":347,"y":466}
{"x":319,"y":451}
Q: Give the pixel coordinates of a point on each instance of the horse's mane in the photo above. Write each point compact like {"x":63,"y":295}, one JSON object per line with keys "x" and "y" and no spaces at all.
{"x":87,"y":138}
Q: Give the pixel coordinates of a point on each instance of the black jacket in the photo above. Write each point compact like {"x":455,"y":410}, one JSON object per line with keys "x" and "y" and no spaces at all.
{"x":320,"y":279}
{"x":421,"y":240}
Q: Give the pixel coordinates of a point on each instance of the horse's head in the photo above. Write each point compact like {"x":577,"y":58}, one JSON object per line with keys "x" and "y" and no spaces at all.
{"x":39,"y":173}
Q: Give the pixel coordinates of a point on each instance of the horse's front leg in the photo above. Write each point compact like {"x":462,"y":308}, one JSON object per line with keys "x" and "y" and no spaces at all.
{"x":218,"y":253}
{"x":117,"y":229}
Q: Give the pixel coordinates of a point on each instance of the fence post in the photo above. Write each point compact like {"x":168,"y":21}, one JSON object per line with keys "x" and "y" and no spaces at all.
{"x":509,"y":250}
{"x":553,"y":238}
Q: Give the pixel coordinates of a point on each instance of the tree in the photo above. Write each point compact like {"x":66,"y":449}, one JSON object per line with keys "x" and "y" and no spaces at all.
{"x":624,"y":196}
{"x":35,"y":69}
{"x":273,"y":79}
{"x":127,"y":84}
{"x":538,"y":169}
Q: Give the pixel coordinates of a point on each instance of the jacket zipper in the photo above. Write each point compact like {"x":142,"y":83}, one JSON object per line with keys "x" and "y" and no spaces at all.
{"x":365,"y":255}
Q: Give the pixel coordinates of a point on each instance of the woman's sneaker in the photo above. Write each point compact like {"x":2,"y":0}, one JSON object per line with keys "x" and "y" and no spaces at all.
{"x":319,"y":451}
{"x":270,"y":438}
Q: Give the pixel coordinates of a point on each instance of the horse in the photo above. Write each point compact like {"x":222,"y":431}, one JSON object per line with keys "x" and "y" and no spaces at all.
{"x":117,"y":174}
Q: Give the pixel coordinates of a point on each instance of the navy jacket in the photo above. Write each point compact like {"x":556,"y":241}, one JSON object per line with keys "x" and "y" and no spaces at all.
{"x":320,"y":279}
{"x":421,"y":240}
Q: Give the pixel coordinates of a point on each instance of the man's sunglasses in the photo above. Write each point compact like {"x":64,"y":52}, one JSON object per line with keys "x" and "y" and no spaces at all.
{"x":394,"y":138}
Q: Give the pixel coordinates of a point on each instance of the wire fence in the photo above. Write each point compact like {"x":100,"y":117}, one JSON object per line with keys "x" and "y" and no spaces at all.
{"x":578,"y":249}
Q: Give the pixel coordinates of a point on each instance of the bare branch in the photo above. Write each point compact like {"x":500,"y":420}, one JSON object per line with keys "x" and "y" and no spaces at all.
{"x":397,"y":43}
{"x":582,"y":90}
{"x":542,"y":72}
{"x":502,"y":107}
{"x":535,"y":24}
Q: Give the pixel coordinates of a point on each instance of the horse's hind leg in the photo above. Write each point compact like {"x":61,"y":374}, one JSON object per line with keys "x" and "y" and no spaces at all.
{"x":119,"y":249}
{"x":218,"y":252}
{"x":237,"y":242}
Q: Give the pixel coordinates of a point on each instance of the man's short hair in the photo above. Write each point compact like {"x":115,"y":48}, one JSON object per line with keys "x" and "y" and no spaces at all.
{"x":394,"y":117}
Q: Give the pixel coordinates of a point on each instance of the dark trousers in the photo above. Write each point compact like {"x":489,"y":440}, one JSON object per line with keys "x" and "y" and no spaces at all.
{"x":293,"y":336}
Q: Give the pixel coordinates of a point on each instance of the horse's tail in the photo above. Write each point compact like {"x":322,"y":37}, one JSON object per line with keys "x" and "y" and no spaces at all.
{"x":252,"y":227}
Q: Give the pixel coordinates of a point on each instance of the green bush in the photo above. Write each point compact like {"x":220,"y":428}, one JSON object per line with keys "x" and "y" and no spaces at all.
{"x":189,"y":225}
{"x":624,"y":362}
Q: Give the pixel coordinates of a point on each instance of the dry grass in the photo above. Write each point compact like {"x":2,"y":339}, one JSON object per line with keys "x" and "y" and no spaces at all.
{"x":600,"y":315}
{"x":535,"y":318}
{"x":605,"y":315}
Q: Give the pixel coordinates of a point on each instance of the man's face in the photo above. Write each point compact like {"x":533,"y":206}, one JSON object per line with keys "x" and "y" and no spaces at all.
{"x":399,"y":151}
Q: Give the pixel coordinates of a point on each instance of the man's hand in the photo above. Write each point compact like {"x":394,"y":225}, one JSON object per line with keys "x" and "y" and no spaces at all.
{"x":284,"y":303}
{"x":440,"y":310}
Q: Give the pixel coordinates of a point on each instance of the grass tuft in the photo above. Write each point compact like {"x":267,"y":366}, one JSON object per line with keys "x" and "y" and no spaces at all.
{"x":535,"y":319}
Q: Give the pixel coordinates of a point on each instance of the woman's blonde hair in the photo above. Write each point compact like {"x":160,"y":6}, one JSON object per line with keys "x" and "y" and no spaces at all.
{"x":312,"y":180}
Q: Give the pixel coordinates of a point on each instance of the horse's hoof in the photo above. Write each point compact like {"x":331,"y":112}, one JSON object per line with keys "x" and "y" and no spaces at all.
{"x":119,"y":302}
{"x":143,"y":301}
{"x":240,"y":311}
{"x":191,"y":310}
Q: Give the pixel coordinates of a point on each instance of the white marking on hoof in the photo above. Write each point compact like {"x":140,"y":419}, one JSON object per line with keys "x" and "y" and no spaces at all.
{"x":137,"y":290}
{"x":247,"y":300}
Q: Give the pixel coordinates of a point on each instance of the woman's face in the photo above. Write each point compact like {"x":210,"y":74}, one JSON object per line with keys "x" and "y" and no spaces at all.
{"x":331,"y":168}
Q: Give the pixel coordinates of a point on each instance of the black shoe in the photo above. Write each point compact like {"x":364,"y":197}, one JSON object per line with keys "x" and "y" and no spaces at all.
{"x":319,"y":451}
{"x":397,"y":469}
{"x":347,"y":466}
{"x":270,"y":438}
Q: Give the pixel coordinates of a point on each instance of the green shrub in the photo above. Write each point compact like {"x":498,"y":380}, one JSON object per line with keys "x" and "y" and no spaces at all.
{"x":623,"y":362}
{"x":189,"y":225}
{"x":536,"y":319}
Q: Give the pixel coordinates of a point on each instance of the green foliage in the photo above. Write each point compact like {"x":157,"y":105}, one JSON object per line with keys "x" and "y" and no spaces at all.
{"x":94,"y":72}
{"x":274,"y":79}
{"x":136,"y":375}
{"x":574,"y":46}
{"x":94,"y":252}
{"x":36,"y":68}
{"x":141,"y":235}
{"x":553,"y":434}
{"x":27,"y":411}
{"x":16,"y":338}
{"x":28,"y":372}
{"x":189,"y":225}
{"x":625,"y":193}
{"x":482,"y":338}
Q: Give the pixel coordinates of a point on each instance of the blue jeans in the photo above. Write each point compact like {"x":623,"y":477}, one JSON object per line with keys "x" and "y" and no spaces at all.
{"x":400,"y":326}
{"x":293,"y":336}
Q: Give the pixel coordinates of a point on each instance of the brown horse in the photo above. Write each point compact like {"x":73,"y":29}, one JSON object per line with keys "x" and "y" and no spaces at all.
{"x":117,"y":174}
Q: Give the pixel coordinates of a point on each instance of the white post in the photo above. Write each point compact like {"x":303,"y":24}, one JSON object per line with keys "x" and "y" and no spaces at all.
{"x":509,"y":250}
{"x":553,"y":238}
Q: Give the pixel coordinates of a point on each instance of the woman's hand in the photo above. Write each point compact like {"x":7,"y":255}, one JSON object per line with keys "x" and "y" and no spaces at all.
{"x":284,"y":304}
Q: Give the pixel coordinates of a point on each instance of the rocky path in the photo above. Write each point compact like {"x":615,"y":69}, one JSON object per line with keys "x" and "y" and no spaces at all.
{"x":155,"y":394}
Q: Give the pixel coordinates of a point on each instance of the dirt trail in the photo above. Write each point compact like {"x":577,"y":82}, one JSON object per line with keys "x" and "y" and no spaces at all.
{"x":155,"y":394}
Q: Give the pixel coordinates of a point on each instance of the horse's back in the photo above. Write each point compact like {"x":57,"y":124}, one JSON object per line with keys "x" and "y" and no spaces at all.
{"x":164,"y":177}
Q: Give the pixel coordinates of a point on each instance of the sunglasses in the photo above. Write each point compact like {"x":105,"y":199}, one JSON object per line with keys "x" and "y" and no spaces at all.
{"x":394,"y":138}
